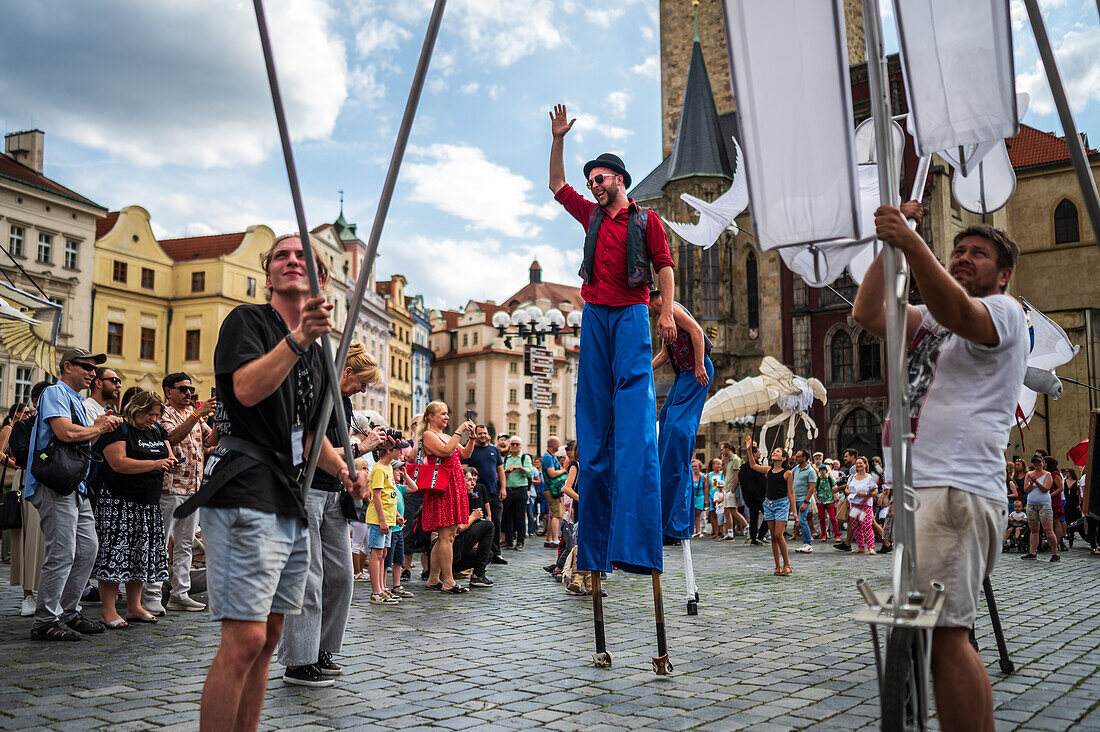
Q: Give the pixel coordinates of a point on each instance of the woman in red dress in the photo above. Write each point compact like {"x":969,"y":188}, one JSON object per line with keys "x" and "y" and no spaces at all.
{"x":444,"y":511}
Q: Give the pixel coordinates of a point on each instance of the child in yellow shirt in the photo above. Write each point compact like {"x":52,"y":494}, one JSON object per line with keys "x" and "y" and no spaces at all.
{"x":381,"y":515}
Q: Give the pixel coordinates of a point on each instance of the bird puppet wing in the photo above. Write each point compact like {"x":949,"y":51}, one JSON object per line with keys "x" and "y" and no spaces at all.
{"x":719,"y":214}
{"x":33,"y":337}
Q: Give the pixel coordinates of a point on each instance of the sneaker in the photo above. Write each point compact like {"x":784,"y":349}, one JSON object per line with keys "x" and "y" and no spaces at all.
{"x":480,"y":580}
{"x":756,"y":542}
{"x":519,"y":547}
{"x":550,"y":568}
{"x":574,"y":588}
{"x":805,"y":549}
{"x":499,"y":560}
{"x":326,"y":665}
{"x":86,"y":627}
{"x":729,"y":537}
{"x":307,"y":676}
{"x":400,"y":591}
{"x":384,"y":599}
{"x":154,"y":607}
{"x":886,"y":549}
{"x":1029,"y":556}
{"x":1055,"y":558}
{"x":55,"y":632}
{"x":405,"y":574}
{"x":26,"y":609}
{"x":842,"y":546}
{"x":185,"y":604}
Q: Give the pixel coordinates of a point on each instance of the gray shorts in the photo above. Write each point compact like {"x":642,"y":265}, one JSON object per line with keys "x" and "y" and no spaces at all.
{"x":958,"y":541}
{"x":256,"y":563}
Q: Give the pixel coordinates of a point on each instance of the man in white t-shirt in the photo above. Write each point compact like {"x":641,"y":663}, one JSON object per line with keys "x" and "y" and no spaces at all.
{"x":967,"y":352}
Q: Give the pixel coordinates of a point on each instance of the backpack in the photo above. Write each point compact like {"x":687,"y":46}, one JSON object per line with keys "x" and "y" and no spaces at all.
{"x":19,"y":442}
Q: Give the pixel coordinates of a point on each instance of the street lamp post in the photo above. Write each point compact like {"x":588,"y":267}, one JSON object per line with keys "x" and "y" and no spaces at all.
{"x":532,"y":325}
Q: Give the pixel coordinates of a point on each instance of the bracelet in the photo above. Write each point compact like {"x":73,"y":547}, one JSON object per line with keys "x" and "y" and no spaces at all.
{"x":298,"y":350}
{"x":196,"y":416}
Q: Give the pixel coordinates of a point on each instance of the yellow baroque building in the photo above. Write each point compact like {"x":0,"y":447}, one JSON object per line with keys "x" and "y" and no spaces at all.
{"x":157,"y":306}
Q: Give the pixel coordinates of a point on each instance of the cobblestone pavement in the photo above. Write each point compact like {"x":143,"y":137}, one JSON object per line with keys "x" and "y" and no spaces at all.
{"x":764,"y":653}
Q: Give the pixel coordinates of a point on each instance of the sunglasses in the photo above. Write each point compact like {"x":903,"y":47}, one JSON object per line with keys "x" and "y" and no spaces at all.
{"x":598,"y":179}
{"x":89,"y":367}
{"x":185,"y":389}
{"x":114,"y":380}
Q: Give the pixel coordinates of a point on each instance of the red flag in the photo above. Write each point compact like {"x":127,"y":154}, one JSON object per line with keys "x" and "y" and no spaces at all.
{"x":1079,"y":453}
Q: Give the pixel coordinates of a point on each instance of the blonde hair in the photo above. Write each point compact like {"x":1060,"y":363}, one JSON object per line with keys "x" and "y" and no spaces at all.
{"x":422,"y":425}
{"x":140,"y":403}
{"x":361,"y":363}
{"x":322,"y":266}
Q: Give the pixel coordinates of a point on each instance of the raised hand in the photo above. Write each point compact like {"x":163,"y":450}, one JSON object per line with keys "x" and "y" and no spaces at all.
{"x":560,"y":122}
{"x":316,"y":321}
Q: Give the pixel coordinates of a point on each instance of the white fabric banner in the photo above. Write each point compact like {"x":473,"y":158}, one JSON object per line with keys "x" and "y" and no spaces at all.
{"x":789,"y":68}
{"x":957,"y":58}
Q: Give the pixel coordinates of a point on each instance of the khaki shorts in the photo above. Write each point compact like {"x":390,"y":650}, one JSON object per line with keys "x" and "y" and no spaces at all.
{"x":553,"y":505}
{"x":958,"y":541}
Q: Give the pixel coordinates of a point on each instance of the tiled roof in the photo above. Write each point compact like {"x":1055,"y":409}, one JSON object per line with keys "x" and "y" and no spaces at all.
{"x":16,"y":171}
{"x":201,"y":247}
{"x":103,"y":226}
{"x":1034,"y":147}
{"x":551,"y":291}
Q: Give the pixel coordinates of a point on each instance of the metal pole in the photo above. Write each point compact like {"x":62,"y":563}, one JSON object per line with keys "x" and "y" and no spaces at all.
{"x":1065,"y":115}
{"x":897,"y":290}
{"x":332,"y":382}
{"x":380,"y":217}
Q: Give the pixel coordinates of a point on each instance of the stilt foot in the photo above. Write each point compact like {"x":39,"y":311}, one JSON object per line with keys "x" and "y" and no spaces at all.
{"x":693,"y":607}
{"x":662,"y":666}
{"x":602,"y":660}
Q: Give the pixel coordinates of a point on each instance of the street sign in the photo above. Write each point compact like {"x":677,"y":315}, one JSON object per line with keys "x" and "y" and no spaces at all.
{"x":541,"y":361}
{"x":542,"y":392}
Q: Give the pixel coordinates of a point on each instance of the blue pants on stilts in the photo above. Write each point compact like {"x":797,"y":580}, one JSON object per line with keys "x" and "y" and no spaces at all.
{"x":619,"y":508}
{"x":679,"y":421}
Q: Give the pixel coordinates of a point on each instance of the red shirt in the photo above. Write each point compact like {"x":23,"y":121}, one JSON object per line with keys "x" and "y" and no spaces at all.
{"x":608,"y":285}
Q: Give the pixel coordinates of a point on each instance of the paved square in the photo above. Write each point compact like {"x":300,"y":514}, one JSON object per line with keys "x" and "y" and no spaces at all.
{"x":764,"y":653}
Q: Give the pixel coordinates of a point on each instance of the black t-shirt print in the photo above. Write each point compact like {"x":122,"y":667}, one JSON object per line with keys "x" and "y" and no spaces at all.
{"x":248,"y":333}
{"x":146,"y":444}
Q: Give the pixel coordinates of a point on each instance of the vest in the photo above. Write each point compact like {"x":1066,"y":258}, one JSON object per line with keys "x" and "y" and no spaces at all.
{"x":638,"y":269}
{"x":681,"y":351}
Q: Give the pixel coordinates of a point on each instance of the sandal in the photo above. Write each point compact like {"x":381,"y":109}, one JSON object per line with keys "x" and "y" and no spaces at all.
{"x":788,"y":571}
{"x":436,"y":586}
{"x":146,"y":618}
{"x":55,"y":632}
{"x":778,"y":573}
{"x":84,"y":626}
{"x":454,"y":589}
{"x":116,"y":624}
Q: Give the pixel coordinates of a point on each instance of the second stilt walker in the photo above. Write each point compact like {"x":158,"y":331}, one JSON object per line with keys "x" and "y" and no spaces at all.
{"x":619,"y":518}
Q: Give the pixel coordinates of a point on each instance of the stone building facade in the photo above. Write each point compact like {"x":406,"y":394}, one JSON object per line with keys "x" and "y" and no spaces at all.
{"x":399,"y":409}
{"x":476,"y":369}
{"x":49,"y":230}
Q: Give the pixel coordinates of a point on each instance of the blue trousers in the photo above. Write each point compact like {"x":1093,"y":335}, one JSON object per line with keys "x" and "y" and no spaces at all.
{"x":619,"y":508}
{"x":679,"y":421}
{"x":804,"y":524}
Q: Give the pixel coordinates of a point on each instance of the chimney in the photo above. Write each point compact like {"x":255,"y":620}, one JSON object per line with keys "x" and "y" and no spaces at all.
{"x":536,"y":273}
{"x":26,"y":148}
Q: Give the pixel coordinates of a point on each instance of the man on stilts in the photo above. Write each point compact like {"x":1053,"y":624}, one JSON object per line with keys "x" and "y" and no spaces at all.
{"x":619,"y":522}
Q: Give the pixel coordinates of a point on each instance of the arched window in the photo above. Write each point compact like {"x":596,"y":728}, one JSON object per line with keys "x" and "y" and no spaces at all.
{"x":860,"y":431}
{"x":752,"y":292}
{"x":687,"y":274}
{"x":870,"y":358}
{"x":1065,"y":223}
{"x":841,"y":358}
{"x":708,"y":305}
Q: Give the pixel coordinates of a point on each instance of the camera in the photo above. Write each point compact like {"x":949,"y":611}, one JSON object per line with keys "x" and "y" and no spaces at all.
{"x":394,"y":435}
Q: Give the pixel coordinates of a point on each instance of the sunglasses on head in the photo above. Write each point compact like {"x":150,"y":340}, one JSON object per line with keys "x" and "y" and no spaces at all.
{"x":598,"y":179}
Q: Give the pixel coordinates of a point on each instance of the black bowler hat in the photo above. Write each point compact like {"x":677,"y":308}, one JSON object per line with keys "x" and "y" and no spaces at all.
{"x":611,"y":162}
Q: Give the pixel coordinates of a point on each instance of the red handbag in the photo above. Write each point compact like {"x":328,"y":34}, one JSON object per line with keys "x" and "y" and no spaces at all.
{"x":429,"y":478}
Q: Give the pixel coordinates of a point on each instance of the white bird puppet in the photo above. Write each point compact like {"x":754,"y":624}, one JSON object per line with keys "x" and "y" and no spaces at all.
{"x":776,"y":386}
{"x":717,"y":215}
{"x":1050,"y":348}
{"x":32,"y":333}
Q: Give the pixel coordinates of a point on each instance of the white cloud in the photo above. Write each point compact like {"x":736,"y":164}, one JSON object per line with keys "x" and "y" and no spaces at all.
{"x":604,"y":17}
{"x":463,"y":270}
{"x":590,"y":123}
{"x":378,"y":36}
{"x":470,"y":88}
{"x":1078,"y":55}
{"x":650,"y":67}
{"x":364,"y":85}
{"x":171,"y":82}
{"x":618,"y":102}
{"x":461,"y":181}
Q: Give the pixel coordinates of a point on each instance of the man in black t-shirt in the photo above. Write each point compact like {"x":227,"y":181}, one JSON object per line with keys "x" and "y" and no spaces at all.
{"x":269,"y":372}
{"x":490,"y":470}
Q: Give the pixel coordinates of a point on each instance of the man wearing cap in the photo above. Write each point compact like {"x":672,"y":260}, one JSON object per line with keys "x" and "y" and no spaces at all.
{"x":68,"y":525}
{"x":620,"y":516}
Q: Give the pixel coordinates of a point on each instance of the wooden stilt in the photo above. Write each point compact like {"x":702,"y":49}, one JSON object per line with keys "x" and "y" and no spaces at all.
{"x":661,"y":665}
{"x":601,"y":658}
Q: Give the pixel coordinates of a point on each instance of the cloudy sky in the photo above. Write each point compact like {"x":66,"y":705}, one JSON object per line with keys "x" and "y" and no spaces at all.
{"x":166,"y":105}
